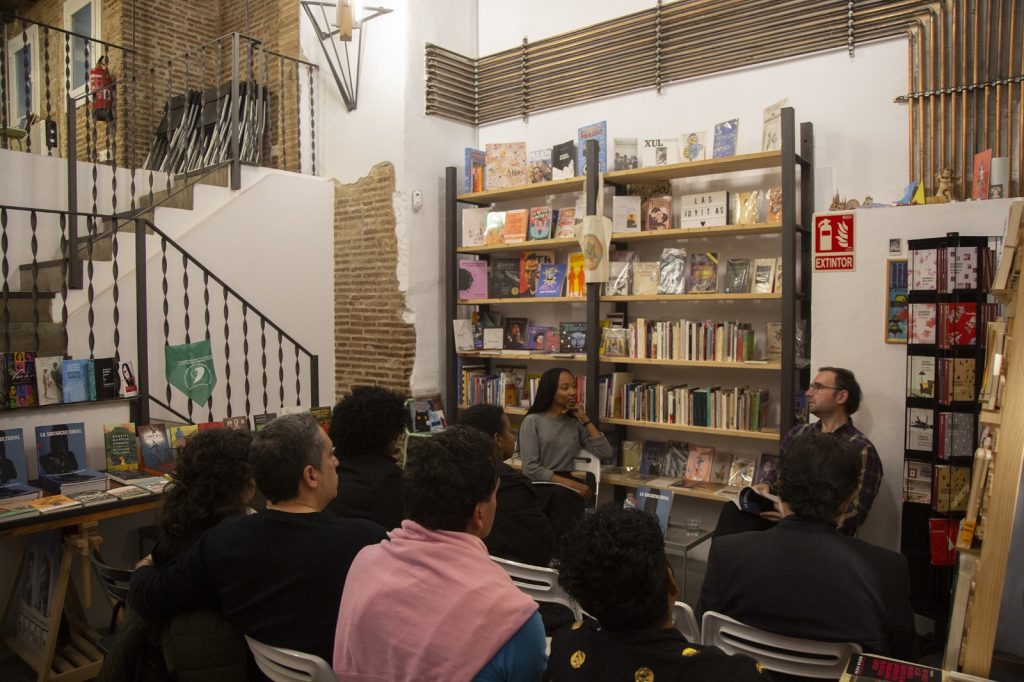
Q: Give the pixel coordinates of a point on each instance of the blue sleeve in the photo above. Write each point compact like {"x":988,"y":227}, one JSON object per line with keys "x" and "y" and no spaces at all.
{"x":522,"y":659}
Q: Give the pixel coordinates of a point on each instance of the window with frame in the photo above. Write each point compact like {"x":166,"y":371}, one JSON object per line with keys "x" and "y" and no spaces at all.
{"x":22,"y":67}
{"x":82,"y":18}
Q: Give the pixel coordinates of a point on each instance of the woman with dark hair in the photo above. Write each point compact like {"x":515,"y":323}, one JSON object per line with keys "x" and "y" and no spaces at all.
{"x":555,"y":430}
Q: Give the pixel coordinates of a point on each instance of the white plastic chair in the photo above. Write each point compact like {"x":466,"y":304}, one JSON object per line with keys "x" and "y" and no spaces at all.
{"x":540,"y":583}
{"x":686,"y":622}
{"x":780,"y":653}
{"x":287,"y":665}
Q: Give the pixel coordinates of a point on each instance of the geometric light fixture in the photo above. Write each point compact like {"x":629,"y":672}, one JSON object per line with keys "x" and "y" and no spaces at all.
{"x":342,"y":22}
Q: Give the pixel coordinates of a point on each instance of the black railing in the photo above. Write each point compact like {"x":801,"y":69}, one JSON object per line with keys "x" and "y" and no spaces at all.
{"x":184,"y":282}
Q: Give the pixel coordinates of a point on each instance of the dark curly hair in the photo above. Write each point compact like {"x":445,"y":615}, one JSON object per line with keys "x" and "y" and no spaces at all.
{"x":845,"y":381}
{"x":817,"y":473}
{"x":210,"y":482}
{"x":486,"y":418}
{"x":546,"y":389}
{"x":367,"y":422}
{"x":613,"y":563}
{"x":447,"y":476}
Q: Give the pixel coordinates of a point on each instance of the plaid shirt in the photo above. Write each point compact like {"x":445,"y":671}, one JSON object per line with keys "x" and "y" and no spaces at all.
{"x":871,"y":470}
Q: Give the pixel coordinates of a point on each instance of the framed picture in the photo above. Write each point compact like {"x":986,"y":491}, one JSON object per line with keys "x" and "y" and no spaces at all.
{"x":896,"y":307}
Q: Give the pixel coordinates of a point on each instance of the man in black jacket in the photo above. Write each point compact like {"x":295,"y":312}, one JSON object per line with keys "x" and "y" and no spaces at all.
{"x":803,"y":577}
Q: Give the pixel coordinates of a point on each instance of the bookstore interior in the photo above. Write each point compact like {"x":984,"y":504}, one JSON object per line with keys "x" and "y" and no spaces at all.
{"x":670,"y":232}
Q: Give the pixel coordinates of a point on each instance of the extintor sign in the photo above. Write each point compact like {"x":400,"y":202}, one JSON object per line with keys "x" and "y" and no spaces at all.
{"x":834,"y":243}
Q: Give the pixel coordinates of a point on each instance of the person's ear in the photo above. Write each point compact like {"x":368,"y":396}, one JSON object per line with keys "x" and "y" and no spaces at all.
{"x":842,"y":396}
{"x":476,"y":519}
{"x":311,"y":476}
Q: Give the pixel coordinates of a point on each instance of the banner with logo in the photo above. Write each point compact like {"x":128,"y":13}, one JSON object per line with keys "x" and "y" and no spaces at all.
{"x":189,"y":368}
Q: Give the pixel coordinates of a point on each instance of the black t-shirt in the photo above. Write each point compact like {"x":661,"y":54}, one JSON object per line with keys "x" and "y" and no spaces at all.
{"x":369,"y":487}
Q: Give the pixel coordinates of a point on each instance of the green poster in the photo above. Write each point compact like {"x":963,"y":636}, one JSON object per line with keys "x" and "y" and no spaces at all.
{"x":189,"y":368}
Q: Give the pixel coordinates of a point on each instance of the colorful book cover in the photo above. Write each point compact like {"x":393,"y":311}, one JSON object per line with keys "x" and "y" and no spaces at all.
{"x":573,"y":337}
{"x":565,"y":228}
{"x":767,"y":469}
{"x":541,"y":222}
{"x":703,"y":272}
{"x":725,"y":138}
{"x":658,"y":151}
{"x":472,"y":279}
{"x":626,"y":157}
{"x":21,"y":379}
{"x":75,"y":379}
{"x":155,"y":450}
{"x":494,"y":228}
{"x":982,"y":175}
{"x":539,"y":163}
{"x":474,"y":221}
{"x":652,"y":458}
{"x":773,"y":341}
{"x":645,"y":278}
{"x":242,"y":423}
{"x":960,"y":324}
{"x":594,"y":131}
{"x":865,"y":667}
{"x":529,"y":270}
{"x":179,"y":434}
{"x":506,"y":165}
{"x":656,"y":502}
{"x":774,"y":205}
{"x":693,"y":147}
{"x":206,"y":426}
{"x":922,"y":322}
{"x":963,"y":379}
{"x":699,"y":462}
{"x":736,"y":271}
{"x":575,"y":279}
{"x":128,"y":388}
{"x":672,"y":271}
{"x":504,"y":278}
{"x":516,"y":225}
{"x":515,"y":333}
{"x":924,"y":268}
{"x":921,"y":376}
{"x":551,"y":279}
{"x":626,"y":214}
{"x":543,"y":339}
{"x":563,"y":160}
{"x":657,"y":211}
{"x":60,"y":448}
{"x":475,"y":163}
{"x":49,"y":380}
{"x":120,"y":447}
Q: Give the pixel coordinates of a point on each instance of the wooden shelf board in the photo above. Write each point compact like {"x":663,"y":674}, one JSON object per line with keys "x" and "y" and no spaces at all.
{"x":728,"y":164}
{"x":538,"y":189}
{"x":510,"y":411}
{"x":541,"y":357}
{"x":756,"y":435}
{"x":693,"y":297}
{"x":773,"y":366}
{"x":521,"y":246}
{"x":698,"y":232}
{"x":525,"y":299}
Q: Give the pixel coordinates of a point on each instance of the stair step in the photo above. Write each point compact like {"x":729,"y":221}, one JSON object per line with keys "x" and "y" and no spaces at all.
{"x":221,"y":177}
{"x":22,"y":334}
{"x":19,"y":306}
{"x":175,"y":197}
{"x":49,"y":276}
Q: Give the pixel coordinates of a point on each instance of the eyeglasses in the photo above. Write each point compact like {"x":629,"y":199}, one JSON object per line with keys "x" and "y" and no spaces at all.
{"x":817,"y":387}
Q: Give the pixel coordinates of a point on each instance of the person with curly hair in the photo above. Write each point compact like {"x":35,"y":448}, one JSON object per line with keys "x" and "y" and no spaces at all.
{"x":613,"y":563}
{"x":365,"y":428}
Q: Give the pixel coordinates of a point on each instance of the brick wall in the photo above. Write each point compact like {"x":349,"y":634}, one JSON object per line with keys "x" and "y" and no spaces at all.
{"x":373,"y":344}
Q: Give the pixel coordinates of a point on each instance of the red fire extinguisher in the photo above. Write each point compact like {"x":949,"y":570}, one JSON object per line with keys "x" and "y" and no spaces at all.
{"x":102,"y":89}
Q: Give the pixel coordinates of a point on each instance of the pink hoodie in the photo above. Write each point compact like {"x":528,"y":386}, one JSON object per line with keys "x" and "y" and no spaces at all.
{"x":428,"y":605}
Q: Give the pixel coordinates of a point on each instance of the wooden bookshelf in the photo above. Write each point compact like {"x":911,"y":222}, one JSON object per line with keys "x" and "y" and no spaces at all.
{"x":511,"y":411}
{"x":716,"y":364}
{"x":539,"y":189}
{"x":533,"y":357}
{"x":694,"y":297}
{"x":734,"y":433}
{"x":674,"y":171}
{"x":521,"y":246}
{"x":698,"y":232}
{"x":525,"y":299}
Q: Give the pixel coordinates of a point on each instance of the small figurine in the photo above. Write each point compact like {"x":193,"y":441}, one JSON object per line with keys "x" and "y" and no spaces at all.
{"x":945,"y":182}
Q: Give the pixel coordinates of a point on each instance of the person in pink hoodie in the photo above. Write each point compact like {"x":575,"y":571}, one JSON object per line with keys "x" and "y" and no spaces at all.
{"x":430,"y":604}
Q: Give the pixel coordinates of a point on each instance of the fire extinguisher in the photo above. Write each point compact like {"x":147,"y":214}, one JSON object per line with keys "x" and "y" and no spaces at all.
{"x":102,"y":89}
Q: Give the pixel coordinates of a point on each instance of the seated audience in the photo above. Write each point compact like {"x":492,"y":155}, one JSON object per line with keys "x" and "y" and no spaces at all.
{"x":430,"y":604}
{"x":365,"y":428}
{"x":613,"y":563}
{"x":277,"y":575}
{"x":521,"y":531}
{"x":803,"y":577}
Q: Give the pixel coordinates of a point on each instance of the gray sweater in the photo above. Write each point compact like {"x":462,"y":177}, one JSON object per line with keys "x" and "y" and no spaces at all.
{"x":549,"y":444}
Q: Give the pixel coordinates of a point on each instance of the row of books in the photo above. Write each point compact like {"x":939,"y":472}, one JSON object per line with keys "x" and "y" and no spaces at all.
{"x":951,"y":268}
{"x":632,"y":213}
{"x":649,"y":460}
{"x":482,"y":226}
{"x":31,"y":380}
{"x":943,"y":379}
{"x":682,"y":340}
{"x":676,"y":274}
{"x":945,"y":434}
{"x":20,"y":508}
{"x":533,"y":274}
{"x":949,"y":324}
{"x":945,"y":487}
{"x":488,"y":330}
{"x":505,"y":386}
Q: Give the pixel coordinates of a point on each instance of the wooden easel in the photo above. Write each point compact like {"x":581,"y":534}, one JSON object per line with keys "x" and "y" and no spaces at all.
{"x":80,"y":658}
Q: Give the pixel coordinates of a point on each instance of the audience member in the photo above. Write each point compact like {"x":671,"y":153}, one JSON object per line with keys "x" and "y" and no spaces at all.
{"x":430,"y":604}
{"x":803,"y":577}
{"x":365,"y":428}
{"x":613,"y":563}
{"x":277,"y":575}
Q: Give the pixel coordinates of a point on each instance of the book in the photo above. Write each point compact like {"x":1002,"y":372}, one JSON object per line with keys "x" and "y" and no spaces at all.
{"x":565,"y":227}
{"x":504,"y":278}
{"x":699,"y":462}
{"x":505,"y":165}
{"x":774,"y":205}
{"x":474,"y":221}
{"x":14,"y":467}
{"x":747,"y":210}
{"x":594,"y":131}
{"x":128,"y":387}
{"x":541,"y":222}
{"x":924,"y":269}
{"x":921,"y":376}
{"x":923,"y":317}
{"x":572,"y":337}
{"x":773,"y":341}
{"x":917,"y":482}
{"x":120,"y":447}
{"x":693,"y":147}
{"x":764,"y":276}
{"x":658,"y":151}
{"x":656,"y":502}
{"x":542,"y":339}
{"x":725,"y":138}
{"x":179,"y":434}
{"x":672,"y":271}
{"x":475,"y":163}
{"x":48,"y":379}
{"x":463,"y":330}
{"x":942,"y":535}
{"x":869,"y":667}
{"x":767,"y":470}
{"x":632,"y":455}
{"x":563,"y":160}
{"x":951,"y":486}
{"x":703,"y":277}
{"x":615,"y":342}
{"x":516,"y":226}
{"x":721,"y":466}
{"x":755,"y":502}
{"x":242,"y":423}
{"x":219,"y":424}
{"x":54,"y":503}
{"x":37,"y":589}
{"x":920,"y":429}
{"x":618,"y":278}
{"x":21,"y":379}
{"x":93,"y":498}
{"x":742,"y":471}
{"x":494,"y":228}
{"x":657,"y":212}
{"x":736,"y":270}
{"x":261,"y":420}
{"x":626,"y":213}
{"x":515,"y":330}
{"x":652,"y":457}
{"x":771,"y":132}
{"x":982,"y":175}
{"x":550,"y":279}
{"x":777,"y":284}
{"x":472,"y":279}
{"x":645,"y":278}
{"x":322,"y":414}
{"x":126,"y":492}
{"x":626,"y":157}
{"x":539,"y":163}
{"x":104,"y":379}
{"x":706,"y":209}
{"x":494,"y":338}
{"x":16,"y":509}
{"x":60,"y":448}
{"x":530,"y":263}
{"x":155,"y":454}
{"x":75,"y":378}
{"x":575,"y":278}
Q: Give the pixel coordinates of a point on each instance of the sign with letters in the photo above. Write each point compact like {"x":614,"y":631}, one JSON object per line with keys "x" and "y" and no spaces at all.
{"x":834,"y":243}
{"x":703,"y":210}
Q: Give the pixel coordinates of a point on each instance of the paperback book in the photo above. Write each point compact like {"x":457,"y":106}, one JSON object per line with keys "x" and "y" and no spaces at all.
{"x":541,"y":222}
{"x":516,"y":226}
{"x":543,"y":339}
{"x":699,"y":462}
{"x":573,"y":337}
{"x":703,"y":273}
{"x":180,"y":434}
{"x":736,"y":275}
{"x":657,"y":211}
{"x":672,"y":271}
{"x":156,"y":456}
{"x":14,"y":468}
{"x":771,"y":133}
{"x":494,"y":228}
{"x":242,"y":423}
{"x":49,"y":380}
{"x":61,"y":452}
{"x":693,"y":147}
{"x":504,"y":278}
{"x":104,"y":379}
{"x":258,"y":422}
{"x":21,"y":379}
{"x":626,"y":214}
{"x":475,"y":163}
{"x":575,"y":279}
{"x":658,"y":151}
{"x":473,"y":223}
{"x":563,"y":160}
{"x":530,"y":263}
{"x":764,"y":276}
{"x":645,"y":278}
{"x":539,"y":162}
{"x":656,"y":502}
{"x":75,"y":379}
{"x":725,"y":138}
{"x":550,"y":279}
{"x":594,"y":131}
{"x":120,"y":447}
{"x":626,"y":157}
{"x":472,"y":279}
{"x":515,"y":333}
{"x":505,"y":165}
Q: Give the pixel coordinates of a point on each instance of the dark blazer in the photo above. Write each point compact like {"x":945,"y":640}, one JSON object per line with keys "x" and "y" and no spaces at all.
{"x":521,"y":531}
{"x":803,"y":578}
{"x":369,"y":487}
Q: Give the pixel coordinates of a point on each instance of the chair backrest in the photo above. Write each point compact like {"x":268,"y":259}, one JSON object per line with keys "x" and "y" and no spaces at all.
{"x":114,"y":581}
{"x":790,"y":655}
{"x":591,"y":465}
{"x":686,"y":622}
{"x":286,"y":665}
{"x":540,"y":583}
